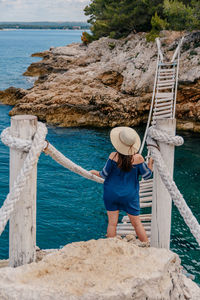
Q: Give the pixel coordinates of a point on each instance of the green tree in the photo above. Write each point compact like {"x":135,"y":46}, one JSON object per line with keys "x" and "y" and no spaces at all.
{"x":179,"y":16}
{"x":118,"y":18}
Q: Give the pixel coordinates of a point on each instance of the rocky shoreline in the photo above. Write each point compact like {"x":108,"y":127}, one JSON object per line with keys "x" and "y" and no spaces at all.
{"x":107,"y":83}
{"x":100,"y":269}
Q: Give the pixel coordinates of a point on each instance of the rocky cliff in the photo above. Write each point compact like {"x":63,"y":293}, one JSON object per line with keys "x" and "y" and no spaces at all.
{"x":108,"y":83}
{"x":102,"y":270}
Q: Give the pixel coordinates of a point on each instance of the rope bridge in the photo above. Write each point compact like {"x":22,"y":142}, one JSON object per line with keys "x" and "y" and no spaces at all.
{"x":163,"y":106}
{"x":39,"y":144}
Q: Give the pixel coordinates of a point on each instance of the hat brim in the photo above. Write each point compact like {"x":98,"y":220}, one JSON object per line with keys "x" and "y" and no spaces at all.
{"x":119,"y":146}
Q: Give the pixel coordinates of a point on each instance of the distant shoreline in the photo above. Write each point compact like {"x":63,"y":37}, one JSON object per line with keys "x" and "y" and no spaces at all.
{"x":45,"y":25}
{"x":11,"y":29}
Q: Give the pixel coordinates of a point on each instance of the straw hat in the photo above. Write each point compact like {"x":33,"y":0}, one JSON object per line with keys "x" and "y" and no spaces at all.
{"x":125,"y":140}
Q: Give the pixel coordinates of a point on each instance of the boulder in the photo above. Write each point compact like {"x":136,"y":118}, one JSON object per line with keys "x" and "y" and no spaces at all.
{"x":100,"y":269}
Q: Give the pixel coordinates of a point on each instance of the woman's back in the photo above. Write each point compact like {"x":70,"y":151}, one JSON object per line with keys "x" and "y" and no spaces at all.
{"x":121,"y":188}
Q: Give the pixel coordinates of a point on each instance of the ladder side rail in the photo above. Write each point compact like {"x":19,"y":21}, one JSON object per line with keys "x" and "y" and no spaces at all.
{"x":177,"y":51}
{"x":159,"y":49}
{"x":152,"y":104}
{"x":176,"y":85}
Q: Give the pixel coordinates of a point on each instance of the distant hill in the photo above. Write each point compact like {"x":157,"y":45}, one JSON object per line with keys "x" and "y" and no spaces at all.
{"x":44,"y":25}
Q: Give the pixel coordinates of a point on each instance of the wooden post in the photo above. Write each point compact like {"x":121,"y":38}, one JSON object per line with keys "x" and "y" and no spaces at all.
{"x":162,"y":202}
{"x":22,"y":235}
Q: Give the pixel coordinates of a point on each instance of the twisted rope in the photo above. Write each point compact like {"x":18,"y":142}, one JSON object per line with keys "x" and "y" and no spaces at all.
{"x":35,"y":149}
{"x":14,"y":142}
{"x":174,"y":192}
{"x":67,"y":163}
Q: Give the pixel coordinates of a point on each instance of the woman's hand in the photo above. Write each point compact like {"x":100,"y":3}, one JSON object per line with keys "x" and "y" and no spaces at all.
{"x":95,"y":172}
{"x":150,"y":163}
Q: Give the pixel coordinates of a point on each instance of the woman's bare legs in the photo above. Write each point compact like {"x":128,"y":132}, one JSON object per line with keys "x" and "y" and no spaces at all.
{"x":139,"y":229}
{"x":112,"y":223}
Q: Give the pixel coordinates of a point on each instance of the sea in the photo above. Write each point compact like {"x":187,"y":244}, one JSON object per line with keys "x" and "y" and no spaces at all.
{"x":70,"y":208}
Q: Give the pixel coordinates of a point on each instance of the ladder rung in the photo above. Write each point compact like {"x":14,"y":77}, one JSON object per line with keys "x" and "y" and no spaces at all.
{"x":172,"y":77}
{"x":164,"y":95}
{"x":167,"y":64}
{"x":146,"y":181}
{"x":143,"y":205}
{"x":124,"y":232}
{"x":164,"y":87}
{"x":158,"y":113}
{"x":166,"y":70}
{"x":145,"y":199}
{"x":156,"y":109}
{"x":164,"y":99}
{"x":144,"y":217}
{"x":147,"y":186}
{"x":166,"y":81}
{"x":143,"y":194}
{"x":129,"y":225}
{"x":162,"y":116}
{"x":164,"y":104}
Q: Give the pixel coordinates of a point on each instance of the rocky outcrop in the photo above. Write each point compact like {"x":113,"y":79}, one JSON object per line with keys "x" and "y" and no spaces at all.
{"x":12,"y":95}
{"x":110,"y":82}
{"x":102,"y":269}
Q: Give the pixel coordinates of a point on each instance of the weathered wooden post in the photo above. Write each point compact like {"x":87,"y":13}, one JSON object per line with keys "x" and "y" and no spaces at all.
{"x":162,"y":202}
{"x":22,"y":236}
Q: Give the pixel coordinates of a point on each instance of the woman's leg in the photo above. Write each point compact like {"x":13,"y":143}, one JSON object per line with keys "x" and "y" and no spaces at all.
{"x":112,"y":223}
{"x":139,"y":229}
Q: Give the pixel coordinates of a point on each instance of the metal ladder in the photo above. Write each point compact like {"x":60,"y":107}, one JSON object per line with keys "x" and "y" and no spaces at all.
{"x":163,"y":105}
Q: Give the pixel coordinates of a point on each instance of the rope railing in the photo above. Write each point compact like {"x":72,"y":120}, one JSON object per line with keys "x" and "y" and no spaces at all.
{"x":35,"y":148}
{"x":39,"y":144}
{"x":177,"y":197}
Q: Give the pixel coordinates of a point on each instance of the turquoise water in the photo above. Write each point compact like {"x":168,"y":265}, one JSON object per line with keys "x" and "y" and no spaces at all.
{"x":16,"y":46}
{"x":69,"y":207}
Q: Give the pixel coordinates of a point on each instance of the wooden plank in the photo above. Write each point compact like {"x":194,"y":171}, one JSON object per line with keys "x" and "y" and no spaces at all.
{"x":163,"y":108}
{"x":147,"y":225}
{"x":166,"y":70}
{"x":161,"y":105}
{"x":166,"y":81}
{"x":164,"y":95}
{"x":145,"y":182}
{"x":162,"y":116}
{"x":125,"y":232}
{"x":164,"y":87}
{"x":146,"y":199}
{"x":144,"y":217}
{"x":22,"y":237}
{"x":172,"y":76}
{"x":146,"y":194}
{"x":143,"y":205}
{"x":162,"y":112}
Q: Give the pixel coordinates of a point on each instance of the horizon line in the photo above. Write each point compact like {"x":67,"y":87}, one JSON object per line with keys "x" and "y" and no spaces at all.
{"x":43,"y":21}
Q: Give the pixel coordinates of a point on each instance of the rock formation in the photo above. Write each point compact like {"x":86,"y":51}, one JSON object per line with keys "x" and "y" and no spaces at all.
{"x":108,"y":83}
{"x":101,"y":270}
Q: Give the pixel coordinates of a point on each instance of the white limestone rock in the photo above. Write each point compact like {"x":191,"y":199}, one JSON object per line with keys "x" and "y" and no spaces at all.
{"x":102,"y":269}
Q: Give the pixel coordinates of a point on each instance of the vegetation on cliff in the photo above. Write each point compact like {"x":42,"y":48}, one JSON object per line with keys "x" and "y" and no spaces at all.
{"x":117,"y":19}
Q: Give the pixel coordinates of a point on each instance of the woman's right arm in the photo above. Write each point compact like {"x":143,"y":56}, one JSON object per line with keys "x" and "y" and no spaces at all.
{"x":144,"y":169}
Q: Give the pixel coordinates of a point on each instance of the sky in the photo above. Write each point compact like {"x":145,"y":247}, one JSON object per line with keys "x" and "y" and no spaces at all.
{"x":42,"y":10}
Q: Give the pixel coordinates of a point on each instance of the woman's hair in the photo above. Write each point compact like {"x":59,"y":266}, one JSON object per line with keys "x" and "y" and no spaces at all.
{"x":124,"y":162}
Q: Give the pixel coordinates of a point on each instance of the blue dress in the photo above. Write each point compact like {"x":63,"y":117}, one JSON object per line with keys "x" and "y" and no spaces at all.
{"x":121,"y":189}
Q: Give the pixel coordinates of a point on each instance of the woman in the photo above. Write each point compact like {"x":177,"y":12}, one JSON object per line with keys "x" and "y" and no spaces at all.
{"x":121,"y":173}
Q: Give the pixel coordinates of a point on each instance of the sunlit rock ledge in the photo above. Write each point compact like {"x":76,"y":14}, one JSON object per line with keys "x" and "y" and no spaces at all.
{"x":108,"y":83}
{"x":100,"y":269}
